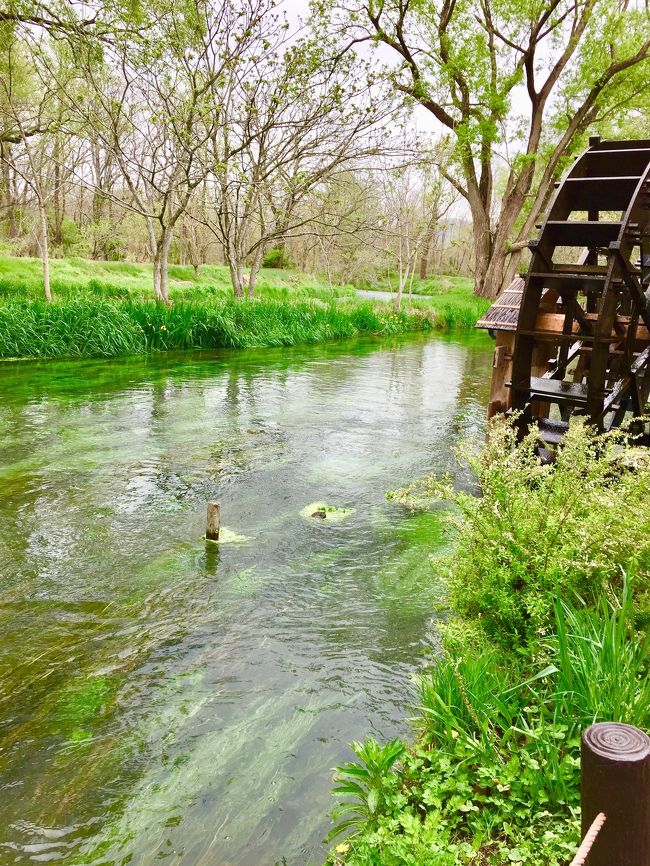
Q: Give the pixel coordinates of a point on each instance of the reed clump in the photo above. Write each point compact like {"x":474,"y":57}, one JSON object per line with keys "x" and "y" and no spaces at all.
{"x":90,"y":326}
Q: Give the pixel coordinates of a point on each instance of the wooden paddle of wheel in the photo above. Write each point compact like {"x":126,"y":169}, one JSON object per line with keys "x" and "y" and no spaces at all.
{"x":580,"y":318}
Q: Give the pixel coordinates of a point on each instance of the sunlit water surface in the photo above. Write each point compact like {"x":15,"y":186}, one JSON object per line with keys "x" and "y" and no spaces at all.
{"x":167,"y":701}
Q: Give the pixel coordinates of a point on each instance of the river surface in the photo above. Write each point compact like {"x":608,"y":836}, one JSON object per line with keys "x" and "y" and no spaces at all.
{"x":166,"y":700}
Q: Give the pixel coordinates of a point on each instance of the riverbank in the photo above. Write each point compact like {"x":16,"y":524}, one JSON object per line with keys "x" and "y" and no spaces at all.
{"x":550,"y":589}
{"x":90,"y":327}
{"x":22,"y":277}
{"x":106,"y":309}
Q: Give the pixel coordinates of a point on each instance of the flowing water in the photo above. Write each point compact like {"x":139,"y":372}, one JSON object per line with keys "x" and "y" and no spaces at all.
{"x":167,"y":700}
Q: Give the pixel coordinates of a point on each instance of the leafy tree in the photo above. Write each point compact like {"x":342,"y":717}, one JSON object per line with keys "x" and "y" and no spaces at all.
{"x":572,"y":63}
{"x":296,"y":114}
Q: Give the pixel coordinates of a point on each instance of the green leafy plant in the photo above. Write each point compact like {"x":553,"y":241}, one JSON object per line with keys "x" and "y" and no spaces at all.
{"x":94,"y":327}
{"x":494,"y":774}
{"x":602,"y":662}
{"x":276,"y":257}
{"x":367,"y":784}
{"x":541,"y":532}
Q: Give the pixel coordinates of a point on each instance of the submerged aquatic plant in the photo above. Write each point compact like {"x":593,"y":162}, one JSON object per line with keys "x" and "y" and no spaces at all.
{"x":327,"y":513}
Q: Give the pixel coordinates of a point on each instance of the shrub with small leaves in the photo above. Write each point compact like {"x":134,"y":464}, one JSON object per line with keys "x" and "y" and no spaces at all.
{"x":538,"y":532}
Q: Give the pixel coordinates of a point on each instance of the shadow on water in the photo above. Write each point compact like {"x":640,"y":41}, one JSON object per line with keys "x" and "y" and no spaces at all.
{"x":164,"y":699}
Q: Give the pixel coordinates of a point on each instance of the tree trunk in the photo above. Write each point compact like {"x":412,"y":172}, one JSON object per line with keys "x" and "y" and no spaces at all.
{"x":161,"y":265}
{"x":12,"y":229}
{"x":156,"y":279}
{"x":155,"y":258}
{"x":497,"y":269}
{"x":255,"y":266}
{"x":427,"y":241}
{"x":424,"y":261}
{"x":45,"y":256}
{"x":403,"y":277}
{"x":235,"y":267}
{"x":236,"y":277}
{"x":495,"y":273}
{"x":58,"y":215}
{"x":482,"y":246}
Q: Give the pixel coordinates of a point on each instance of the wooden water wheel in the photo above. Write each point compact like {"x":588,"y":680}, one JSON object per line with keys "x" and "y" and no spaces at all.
{"x":582,"y":334}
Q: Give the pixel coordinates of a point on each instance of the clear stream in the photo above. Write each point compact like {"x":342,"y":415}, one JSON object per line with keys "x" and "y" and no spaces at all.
{"x":164,"y":700}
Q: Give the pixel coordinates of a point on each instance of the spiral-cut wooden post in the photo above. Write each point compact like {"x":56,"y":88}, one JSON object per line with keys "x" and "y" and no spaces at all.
{"x":616,"y":782}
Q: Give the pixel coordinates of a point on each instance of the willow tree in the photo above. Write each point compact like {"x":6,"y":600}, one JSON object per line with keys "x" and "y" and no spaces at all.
{"x":515,"y":83}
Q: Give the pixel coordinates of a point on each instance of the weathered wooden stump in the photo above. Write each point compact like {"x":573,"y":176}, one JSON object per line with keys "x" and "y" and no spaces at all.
{"x":616,"y":782}
{"x":213,"y":521}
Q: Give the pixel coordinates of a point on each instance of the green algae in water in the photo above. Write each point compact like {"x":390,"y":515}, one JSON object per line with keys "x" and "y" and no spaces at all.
{"x":229,"y":536}
{"x":301,"y":649}
{"x":243,"y":585}
{"x":169,"y":787}
{"x":326,"y":513}
{"x":80,"y":703}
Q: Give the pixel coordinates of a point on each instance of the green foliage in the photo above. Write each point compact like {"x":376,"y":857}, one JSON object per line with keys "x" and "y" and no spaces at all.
{"x":276,"y":258}
{"x":74,"y":329}
{"x":203,"y":315}
{"x":602,"y":664}
{"x":290,"y":309}
{"x":23,"y":277}
{"x":71,"y":236}
{"x":539,"y":532}
{"x":92,"y":327}
{"x":448,"y":300}
{"x":367,"y":785}
{"x":462,"y":806}
{"x":552,"y":640}
{"x":494,"y":777}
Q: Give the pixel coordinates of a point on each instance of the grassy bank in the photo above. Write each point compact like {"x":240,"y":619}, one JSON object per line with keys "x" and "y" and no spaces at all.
{"x":105,"y":309}
{"x":22,"y":277}
{"x":550,"y":584}
{"x":434,"y":286}
{"x":91,"y":327}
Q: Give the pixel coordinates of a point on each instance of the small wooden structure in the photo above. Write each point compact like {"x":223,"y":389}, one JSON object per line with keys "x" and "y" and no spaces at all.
{"x":573,"y":334}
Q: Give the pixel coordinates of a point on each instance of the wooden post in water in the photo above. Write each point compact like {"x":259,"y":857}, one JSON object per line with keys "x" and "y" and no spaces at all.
{"x":213,"y":521}
{"x":616,"y":782}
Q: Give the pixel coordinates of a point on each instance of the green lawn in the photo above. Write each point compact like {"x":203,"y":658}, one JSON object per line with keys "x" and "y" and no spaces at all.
{"x":23,"y":277}
{"x":104,"y":309}
{"x":439,"y":284}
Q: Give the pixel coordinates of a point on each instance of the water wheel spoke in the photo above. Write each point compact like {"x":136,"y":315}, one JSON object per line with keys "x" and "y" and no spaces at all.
{"x":582,"y":339}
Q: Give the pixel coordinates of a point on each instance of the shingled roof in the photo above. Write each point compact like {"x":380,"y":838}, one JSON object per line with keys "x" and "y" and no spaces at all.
{"x":504,"y":312}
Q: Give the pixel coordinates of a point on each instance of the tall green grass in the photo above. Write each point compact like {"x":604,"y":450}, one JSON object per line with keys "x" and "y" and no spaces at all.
{"x":459,"y":312}
{"x":596,"y":667}
{"x":103,"y":309}
{"x":94,"y":327}
{"x":76,"y":329}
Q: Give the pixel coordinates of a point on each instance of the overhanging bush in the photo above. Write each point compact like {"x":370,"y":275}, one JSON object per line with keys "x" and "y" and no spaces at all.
{"x":538,"y":532}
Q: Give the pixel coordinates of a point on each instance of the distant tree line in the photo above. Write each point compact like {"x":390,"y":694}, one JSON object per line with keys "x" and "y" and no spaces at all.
{"x":214,"y":130}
